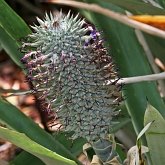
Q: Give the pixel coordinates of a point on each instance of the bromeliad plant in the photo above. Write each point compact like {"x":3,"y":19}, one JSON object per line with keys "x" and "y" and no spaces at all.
{"x":69,"y":69}
{"x":72,"y":74}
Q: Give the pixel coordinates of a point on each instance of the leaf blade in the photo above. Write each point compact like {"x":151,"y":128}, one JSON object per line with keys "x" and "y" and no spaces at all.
{"x":137,"y":7}
{"x":21,"y":140}
{"x":12,"y":29}
{"x":15,"y":119}
{"x":155,"y":135}
{"x":11,"y":22}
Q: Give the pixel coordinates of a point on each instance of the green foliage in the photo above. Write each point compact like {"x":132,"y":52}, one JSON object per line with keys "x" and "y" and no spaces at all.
{"x":27,"y":158}
{"x":155,"y":135}
{"x":10,"y":115}
{"x":137,"y":7}
{"x":74,"y":146}
{"x":21,"y":140}
{"x":12,"y":29}
{"x":131,"y":60}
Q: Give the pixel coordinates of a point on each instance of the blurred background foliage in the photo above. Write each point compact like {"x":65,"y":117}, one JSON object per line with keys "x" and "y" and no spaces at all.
{"x":129,"y":56}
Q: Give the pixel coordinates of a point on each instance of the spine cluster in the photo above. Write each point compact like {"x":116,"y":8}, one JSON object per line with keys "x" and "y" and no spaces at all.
{"x":69,"y":68}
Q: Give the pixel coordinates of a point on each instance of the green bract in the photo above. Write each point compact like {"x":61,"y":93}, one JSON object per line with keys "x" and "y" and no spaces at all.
{"x":69,"y":69}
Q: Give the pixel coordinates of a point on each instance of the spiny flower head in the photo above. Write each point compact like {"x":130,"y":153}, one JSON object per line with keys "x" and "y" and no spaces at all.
{"x":69,"y":69}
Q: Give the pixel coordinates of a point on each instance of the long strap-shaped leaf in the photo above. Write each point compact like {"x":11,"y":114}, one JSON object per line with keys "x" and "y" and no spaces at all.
{"x":12,"y":29}
{"x":18,"y":121}
{"x":21,"y":140}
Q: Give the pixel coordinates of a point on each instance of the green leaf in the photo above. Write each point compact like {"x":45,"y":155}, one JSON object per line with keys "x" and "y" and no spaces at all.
{"x":12,"y":29}
{"x":137,"y":7}
{"x":155,"y":135}
{"x":142,"y":132}
{"x":161,"y":2}
{"x":156,"y":46}
{"x":11,"y":22}
{"x":131,"y":60}
{"x":15,"y":119}
{"x":27,"y":159}
{"x":75,"y":146}
{"x":21,"y":140}
{"x":11,"y":46}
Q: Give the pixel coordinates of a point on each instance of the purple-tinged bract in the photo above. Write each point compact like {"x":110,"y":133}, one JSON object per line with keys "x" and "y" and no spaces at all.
{"x":69,"y":68}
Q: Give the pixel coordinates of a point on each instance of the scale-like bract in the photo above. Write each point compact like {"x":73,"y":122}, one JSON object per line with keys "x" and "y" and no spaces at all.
{"x":69,"y":69}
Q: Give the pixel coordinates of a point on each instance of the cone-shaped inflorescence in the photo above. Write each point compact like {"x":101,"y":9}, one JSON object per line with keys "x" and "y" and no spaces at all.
{"x":69,"y":69}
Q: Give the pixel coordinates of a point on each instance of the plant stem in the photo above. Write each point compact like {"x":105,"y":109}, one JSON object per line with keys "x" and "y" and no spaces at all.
{"x":116,"y":16}
{"x":152,"y":77}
